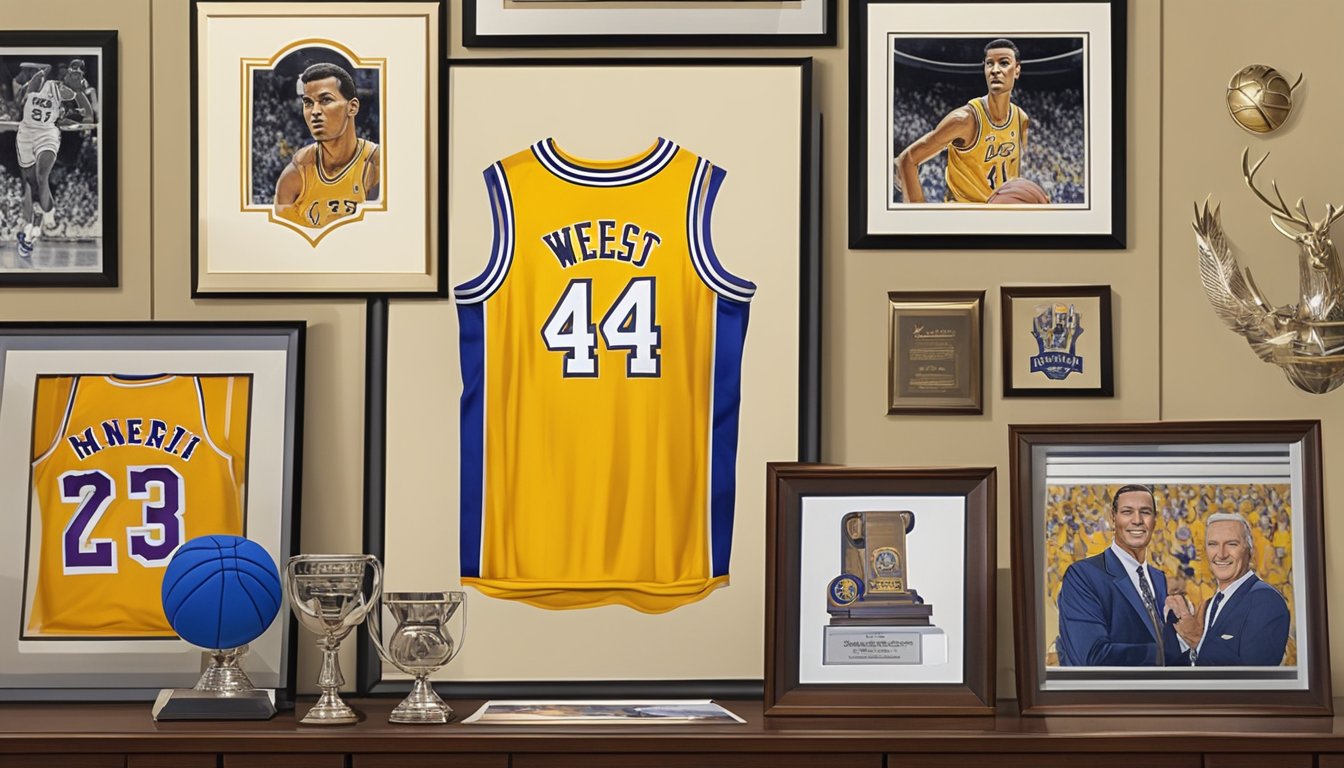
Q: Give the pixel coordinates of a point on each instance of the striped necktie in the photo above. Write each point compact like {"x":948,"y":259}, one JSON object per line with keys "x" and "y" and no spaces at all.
{"x":1150,"y":604}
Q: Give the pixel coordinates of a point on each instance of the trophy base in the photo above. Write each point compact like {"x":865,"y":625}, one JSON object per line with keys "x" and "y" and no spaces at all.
{"x":422,"y":706}
{"x":914,"y":646}
{"x":878,"y":614}
{"x":330,"y":710}
{"x":190,"y":704}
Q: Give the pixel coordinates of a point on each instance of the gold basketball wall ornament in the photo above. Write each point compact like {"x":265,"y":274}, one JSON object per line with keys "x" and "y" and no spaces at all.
{"x":1259,"y":98}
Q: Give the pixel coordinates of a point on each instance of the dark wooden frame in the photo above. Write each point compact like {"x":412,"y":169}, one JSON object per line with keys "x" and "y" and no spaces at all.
{"x":859,"y":162}
{"x":369,"y":676}
{"x":1024,"y":440}
{"x":1009,"y":294}
{"x":473,"y":37}
{"x":190,"y":337}
{"x":938,"y":302}
{"x":109,"y":97}
{"x":786,"y":486}
{"x":436,"y":263}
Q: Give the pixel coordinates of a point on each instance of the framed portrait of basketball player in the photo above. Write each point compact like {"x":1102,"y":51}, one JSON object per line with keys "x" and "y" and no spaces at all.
{"x":987,"y":125}
{"x":632,"y":23}
{"x":1169,"y":568}
{"x":881,"y":590}
{"x":632,"y":252}
{"x":1057,"y":341}
{"x":119,"y":443}
{"x":315,"y":148}
{"x":58,"y":142}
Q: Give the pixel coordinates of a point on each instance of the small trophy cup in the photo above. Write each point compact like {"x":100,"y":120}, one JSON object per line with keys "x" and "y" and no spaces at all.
{"x":327,"y":594}
{"x":876,"y":618}
{"x":420,"y":645}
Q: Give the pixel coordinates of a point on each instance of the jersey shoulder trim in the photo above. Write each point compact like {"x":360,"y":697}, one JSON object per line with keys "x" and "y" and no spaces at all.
{"x":496,"y":269}
{"x":704,"y":191}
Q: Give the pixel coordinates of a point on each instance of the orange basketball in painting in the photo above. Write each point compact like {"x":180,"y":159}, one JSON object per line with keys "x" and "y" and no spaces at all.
{"x":1019,"y":191}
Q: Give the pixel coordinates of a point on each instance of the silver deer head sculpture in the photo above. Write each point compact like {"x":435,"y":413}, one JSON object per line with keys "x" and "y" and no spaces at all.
{"x":1305,"y":339}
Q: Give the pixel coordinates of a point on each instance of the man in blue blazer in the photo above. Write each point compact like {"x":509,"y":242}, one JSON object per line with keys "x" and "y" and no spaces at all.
{"x":1111,"y":604}
{"x":1245,"y":623}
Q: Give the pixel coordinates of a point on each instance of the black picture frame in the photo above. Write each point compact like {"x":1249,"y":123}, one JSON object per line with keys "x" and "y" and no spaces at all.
{"x":1044,"y":370}
{"x":96,"y":150}
{"x":1269,"y":472}
{"x":233,"y":219}
{"x":270,"y":356}
{"x":797,"y":324}
{"x":804,"y":505}
{"x":1093,"y":215}
{"x":488,"y":24}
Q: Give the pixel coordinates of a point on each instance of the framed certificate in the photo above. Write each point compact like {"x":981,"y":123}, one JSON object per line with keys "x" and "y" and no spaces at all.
{"x":934,"y":352}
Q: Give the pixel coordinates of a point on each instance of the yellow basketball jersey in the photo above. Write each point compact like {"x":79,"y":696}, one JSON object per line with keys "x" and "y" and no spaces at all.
{"x":325,"y":199}
{"x":601,"y":362}
{"x":973,"y":173}
{"x":124,"y":471}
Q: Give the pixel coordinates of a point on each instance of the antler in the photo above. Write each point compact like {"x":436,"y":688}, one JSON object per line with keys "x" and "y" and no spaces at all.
{"x":1279,"y":211}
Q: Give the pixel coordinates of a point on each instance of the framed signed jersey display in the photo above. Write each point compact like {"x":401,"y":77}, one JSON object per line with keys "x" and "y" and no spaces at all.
{"x":601,"y":356}
{"x":126,"y":469}
{"x":119,"y":443}
{"x":618,"y":406}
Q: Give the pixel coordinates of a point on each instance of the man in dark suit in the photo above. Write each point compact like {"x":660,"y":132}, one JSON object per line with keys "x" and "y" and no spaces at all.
{"x":1245,"y":623}
{"x":1110,"y":605}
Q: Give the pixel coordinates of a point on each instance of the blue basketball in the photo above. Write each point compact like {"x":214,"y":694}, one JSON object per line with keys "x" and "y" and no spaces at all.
{"x":221,"y":591}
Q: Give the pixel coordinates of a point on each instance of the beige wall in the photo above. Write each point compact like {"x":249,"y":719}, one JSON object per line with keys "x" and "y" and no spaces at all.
{"x":1173,"y":359}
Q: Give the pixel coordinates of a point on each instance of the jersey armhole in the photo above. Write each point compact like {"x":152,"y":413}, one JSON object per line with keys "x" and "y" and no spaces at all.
{"x":704,"y":191}
{"x":484,"y":285}
{"x":65,"y":421}
{"x":975,"y":115}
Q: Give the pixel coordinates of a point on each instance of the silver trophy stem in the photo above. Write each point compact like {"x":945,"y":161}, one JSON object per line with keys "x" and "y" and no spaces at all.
{"x":330,"y":709}
{"x":224,"y":675}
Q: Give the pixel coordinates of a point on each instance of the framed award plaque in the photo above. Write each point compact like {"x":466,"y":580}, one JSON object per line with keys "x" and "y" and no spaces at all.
{"x":934,"y":352}
{"x":879,"y":591}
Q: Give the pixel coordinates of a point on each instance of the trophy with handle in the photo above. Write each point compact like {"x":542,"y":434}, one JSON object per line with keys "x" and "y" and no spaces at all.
{"x":419,"y":646}
{"x":328,"y":598}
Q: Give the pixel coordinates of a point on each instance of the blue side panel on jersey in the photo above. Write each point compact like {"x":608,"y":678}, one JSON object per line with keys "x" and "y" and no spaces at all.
{"x":730,"y":332}
{"x":471,"y":323}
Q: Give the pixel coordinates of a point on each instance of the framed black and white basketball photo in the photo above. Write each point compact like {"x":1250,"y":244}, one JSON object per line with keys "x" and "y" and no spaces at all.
{"x":987,"y":125}
{"x":58,"y":150}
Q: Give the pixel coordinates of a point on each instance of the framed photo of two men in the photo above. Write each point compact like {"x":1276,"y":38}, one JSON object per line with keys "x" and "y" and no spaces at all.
{"x":987,"y":124}
{"x":315,"y":148}
{"x":1169,"y":567}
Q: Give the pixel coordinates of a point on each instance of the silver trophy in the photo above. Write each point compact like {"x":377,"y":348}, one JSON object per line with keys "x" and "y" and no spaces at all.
{"x":420,"y":645}
{"x":327,"y":594}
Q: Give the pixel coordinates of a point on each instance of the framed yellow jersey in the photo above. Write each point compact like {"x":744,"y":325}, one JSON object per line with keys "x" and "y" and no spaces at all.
{"x":975,"y":171}
{"x":601,"y":361}
{"x":124,"y":470}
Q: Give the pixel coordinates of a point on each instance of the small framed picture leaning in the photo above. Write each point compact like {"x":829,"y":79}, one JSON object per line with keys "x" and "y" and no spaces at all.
{"x":58,"y":158}
{"x":879,"y":591}
{"x":1169,"y":568}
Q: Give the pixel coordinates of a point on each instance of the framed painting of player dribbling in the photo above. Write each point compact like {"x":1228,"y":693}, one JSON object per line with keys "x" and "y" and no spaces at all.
{"x":58,"y":159}
{"x":1169,"y":568}
{"x":315,"y":148}
{"x":987,"y":125}
{"x":119,"y":442}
